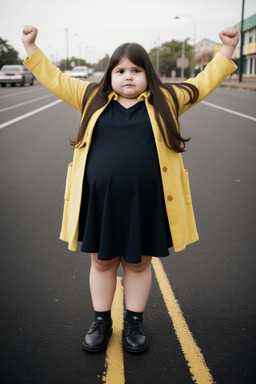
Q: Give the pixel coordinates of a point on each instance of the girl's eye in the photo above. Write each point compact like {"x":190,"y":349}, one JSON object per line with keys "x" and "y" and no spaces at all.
{"x":121,"y":71}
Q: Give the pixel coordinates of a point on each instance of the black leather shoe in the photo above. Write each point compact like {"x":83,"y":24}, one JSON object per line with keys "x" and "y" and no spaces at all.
{"x":97,"y":337}
{"x":135,"y":339}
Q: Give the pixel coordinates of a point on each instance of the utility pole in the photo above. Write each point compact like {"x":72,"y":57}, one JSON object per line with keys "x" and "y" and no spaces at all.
{"x":194,"y":48}
{"x":182,"y":58}
{"x":157,"y":42}
{"x":67,"y":60}
{"x":157,"y":59}
{"x":241,"y":60}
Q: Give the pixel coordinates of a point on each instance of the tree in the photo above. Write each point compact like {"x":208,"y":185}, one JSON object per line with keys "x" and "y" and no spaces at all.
{"x":102,"y":64}
{"x":169,"y":52}
{"x":8,"y":55}
{"x":203,"y":58}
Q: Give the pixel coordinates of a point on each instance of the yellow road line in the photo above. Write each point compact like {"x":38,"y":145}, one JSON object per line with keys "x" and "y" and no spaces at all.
{"x":114,"y":373}
{"x":196,"y":362}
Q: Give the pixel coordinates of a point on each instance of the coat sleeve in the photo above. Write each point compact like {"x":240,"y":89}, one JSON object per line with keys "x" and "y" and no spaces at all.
{"x":217,"y":70}
{"x":62,"y":85}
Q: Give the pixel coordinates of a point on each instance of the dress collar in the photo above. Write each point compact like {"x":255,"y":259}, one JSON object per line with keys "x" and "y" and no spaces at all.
{"x":144,"y":95}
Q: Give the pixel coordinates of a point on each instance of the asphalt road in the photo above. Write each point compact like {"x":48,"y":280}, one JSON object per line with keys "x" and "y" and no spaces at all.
{"x":45,"y":301}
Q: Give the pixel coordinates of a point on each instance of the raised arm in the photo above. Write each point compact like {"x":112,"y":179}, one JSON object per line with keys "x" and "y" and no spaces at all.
{"x":62,"y":85}
{"x":217,"y":70}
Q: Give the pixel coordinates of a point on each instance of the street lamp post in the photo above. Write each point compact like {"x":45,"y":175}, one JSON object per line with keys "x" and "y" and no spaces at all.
{"x":157,"y":59}
{"x":157,"y":53}
{"x":80,"y":49}
{"x":77,"y":46}
{"x":66,"y":29}
{"x":194,"y":39}
{"x":182,"y":56}
{"x":157,"y":44}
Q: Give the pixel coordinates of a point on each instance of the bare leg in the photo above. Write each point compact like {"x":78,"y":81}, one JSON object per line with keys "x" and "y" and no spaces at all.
{"x":103,"y":282}
{"x":137,"y":284}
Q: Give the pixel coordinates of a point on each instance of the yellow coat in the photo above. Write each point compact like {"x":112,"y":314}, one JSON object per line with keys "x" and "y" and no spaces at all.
{"x":174,"y":177}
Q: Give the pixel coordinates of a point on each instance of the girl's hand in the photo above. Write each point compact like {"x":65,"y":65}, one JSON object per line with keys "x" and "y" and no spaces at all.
{"x":29,"y":35}
{"x":229,"y":36}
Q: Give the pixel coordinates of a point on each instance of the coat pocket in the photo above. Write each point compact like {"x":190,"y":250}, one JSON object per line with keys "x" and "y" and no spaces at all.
{"x":186,"y":187}
{"x":68,"y":182}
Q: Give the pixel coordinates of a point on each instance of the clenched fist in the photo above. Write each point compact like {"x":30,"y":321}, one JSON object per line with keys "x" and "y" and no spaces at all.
{"x":29,"y":34}
{"x":229,"y":37}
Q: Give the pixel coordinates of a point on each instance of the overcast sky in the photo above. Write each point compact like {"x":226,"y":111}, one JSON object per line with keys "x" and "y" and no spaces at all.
{"x":97,"y":27}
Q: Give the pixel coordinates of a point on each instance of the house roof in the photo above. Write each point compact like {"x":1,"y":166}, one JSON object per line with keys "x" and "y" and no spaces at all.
{"x":248,"y":23}
{"x":206,"y":40}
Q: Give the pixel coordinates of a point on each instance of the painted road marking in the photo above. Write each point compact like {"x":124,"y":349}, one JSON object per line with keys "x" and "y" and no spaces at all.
{"x":21,"y":93}
{"x":229,"y":110}
{"x":193,"y":355}
{"x":25,"y":103}
{"x":29,"y":114}
{"x":114,"y":373}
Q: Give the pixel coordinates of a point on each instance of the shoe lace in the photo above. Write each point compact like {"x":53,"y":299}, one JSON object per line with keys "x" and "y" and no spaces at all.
{"x":135,"y":325}
{"x":99,"y":324}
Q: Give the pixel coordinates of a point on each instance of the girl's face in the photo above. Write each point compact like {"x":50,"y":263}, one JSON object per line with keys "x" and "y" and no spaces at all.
{"x":128,"y":80}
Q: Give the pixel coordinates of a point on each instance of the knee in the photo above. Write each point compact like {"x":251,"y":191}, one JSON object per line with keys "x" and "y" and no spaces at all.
{"x":105,"y":265}
{"x":143,"y":266}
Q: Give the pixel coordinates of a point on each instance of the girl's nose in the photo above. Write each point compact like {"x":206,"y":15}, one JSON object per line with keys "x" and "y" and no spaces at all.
{"x":128,"y":76}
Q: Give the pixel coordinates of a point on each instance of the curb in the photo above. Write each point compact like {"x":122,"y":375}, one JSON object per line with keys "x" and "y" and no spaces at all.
{"x":246,"y":86}
{"x":239,"y":86}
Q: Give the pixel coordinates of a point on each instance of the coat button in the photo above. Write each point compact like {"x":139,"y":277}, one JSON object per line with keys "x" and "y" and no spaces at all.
{"x":170,"y":197}
{"x":165,"y":169}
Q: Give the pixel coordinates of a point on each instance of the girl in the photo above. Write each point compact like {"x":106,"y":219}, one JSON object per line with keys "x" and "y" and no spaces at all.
{"x":128,"y":197}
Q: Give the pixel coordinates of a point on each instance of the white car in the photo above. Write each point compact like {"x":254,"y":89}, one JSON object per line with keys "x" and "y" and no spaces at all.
{"x":80,"y":72}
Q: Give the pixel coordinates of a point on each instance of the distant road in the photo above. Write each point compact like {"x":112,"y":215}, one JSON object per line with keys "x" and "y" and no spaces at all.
{"x":201,"y":313}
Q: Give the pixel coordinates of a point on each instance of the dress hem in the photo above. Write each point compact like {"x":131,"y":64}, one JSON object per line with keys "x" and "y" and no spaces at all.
{"x":127,"y":257}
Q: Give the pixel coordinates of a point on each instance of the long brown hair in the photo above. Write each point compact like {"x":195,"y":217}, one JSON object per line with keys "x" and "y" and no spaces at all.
{"x":168,"y":125}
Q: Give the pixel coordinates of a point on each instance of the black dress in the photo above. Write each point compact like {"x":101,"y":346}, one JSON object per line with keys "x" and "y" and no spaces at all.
{"x":122,"y":210}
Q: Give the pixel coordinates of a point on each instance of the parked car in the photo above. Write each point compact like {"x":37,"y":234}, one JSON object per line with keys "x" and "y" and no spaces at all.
{"x":80,"y":72}
{"x":15,"y":74}
{"x":90,"y":71}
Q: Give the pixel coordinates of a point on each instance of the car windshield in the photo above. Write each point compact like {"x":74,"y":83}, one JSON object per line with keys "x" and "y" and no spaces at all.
{"x":78,"y":69}
{"x":10,"y":69}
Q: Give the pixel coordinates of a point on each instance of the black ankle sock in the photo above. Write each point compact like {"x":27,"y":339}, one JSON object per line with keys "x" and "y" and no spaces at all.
{"x":106,"y":316}
{"x":134,"y":315}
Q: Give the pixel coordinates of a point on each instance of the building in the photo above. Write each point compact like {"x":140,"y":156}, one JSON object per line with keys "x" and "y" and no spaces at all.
{"x":249,"y":48}
{"x":204,"y":52}
{"x":206,"y":49}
